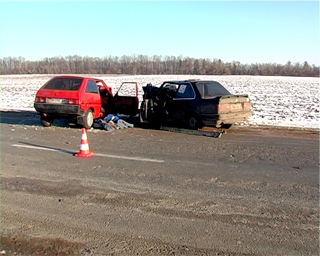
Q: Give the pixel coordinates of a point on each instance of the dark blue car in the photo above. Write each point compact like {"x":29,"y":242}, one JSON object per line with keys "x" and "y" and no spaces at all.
{"x":193,"y":104}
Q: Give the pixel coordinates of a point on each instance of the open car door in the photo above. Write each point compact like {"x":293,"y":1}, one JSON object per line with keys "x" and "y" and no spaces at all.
{"x":126,"y":99}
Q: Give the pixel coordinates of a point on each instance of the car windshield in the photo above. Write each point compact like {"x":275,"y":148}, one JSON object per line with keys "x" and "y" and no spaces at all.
{"x":211,"y":89}
{"x":68,"y":84}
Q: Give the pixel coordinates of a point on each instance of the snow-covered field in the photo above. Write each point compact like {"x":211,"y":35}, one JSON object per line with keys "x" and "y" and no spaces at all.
{"x":277,"y":101}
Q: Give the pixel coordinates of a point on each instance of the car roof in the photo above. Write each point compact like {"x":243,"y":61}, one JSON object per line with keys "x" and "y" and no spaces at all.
{"x":189,"y":80}
{"x":82,"y":77}
{"x":68,"y":76}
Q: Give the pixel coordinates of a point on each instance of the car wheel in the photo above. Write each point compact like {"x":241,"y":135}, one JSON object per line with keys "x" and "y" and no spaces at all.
{"x":46,"y":121}
{"x":143,"y":111}
{"x":192,"y":122}
{"x":88,"y":119}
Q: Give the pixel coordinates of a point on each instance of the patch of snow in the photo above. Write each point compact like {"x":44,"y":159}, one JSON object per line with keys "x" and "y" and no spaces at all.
{"x":276,"y":100}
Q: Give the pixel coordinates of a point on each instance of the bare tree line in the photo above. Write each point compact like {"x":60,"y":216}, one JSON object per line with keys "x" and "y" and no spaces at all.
{"x":155,"y":65}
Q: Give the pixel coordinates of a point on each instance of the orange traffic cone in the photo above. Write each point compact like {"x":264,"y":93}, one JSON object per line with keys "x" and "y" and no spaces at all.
{"x":84,"y":147}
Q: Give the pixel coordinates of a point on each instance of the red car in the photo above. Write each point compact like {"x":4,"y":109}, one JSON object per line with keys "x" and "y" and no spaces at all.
{"x":82,"y":98}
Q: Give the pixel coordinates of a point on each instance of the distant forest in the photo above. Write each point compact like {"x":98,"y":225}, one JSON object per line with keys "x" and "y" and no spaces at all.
{"x":155,"y":65}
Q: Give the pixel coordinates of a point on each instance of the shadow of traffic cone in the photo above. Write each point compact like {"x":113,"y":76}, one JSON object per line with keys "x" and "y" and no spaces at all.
{"x":84,"y":147}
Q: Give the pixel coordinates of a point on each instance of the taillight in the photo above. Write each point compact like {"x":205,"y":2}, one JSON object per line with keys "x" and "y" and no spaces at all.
{"x":40,"y":100}
{"x":73,"y":101}
{"x":223,"y":107}
{"x":247,"y":106}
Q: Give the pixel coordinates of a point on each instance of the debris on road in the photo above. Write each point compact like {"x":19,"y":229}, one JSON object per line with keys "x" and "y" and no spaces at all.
{"x":215,"y":134}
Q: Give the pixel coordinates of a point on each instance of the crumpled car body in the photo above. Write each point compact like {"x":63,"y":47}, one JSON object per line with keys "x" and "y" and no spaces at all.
{"x":193,"y":104}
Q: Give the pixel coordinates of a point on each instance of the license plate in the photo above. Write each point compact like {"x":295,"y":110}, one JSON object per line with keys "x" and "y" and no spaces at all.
{"x":237,"y":106}
{"x":55,"y":101}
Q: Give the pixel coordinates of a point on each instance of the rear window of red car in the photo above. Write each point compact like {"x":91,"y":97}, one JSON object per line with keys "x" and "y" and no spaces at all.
{"x":65,"y":84}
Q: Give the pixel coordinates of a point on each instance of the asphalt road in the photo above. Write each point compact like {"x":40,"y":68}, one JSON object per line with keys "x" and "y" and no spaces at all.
{"x":253,"y":191}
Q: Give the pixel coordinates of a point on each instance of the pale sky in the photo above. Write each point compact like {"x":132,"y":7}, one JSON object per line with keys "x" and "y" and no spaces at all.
{"x":244,"y":31}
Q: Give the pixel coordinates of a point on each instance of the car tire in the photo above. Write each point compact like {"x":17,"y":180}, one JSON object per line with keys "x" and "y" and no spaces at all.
{"x":88,"y":119}
{"x":193,"y":122}
{"x":143,"y":111}
{"x":46,"y":121}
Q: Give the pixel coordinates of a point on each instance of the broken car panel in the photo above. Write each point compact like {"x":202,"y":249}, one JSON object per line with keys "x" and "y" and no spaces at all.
{"x":193,"y":104}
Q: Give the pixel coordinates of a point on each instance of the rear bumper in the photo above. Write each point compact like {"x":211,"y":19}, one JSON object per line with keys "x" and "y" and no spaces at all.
{"x":229,"y":118}
{"x":58,"y":110}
